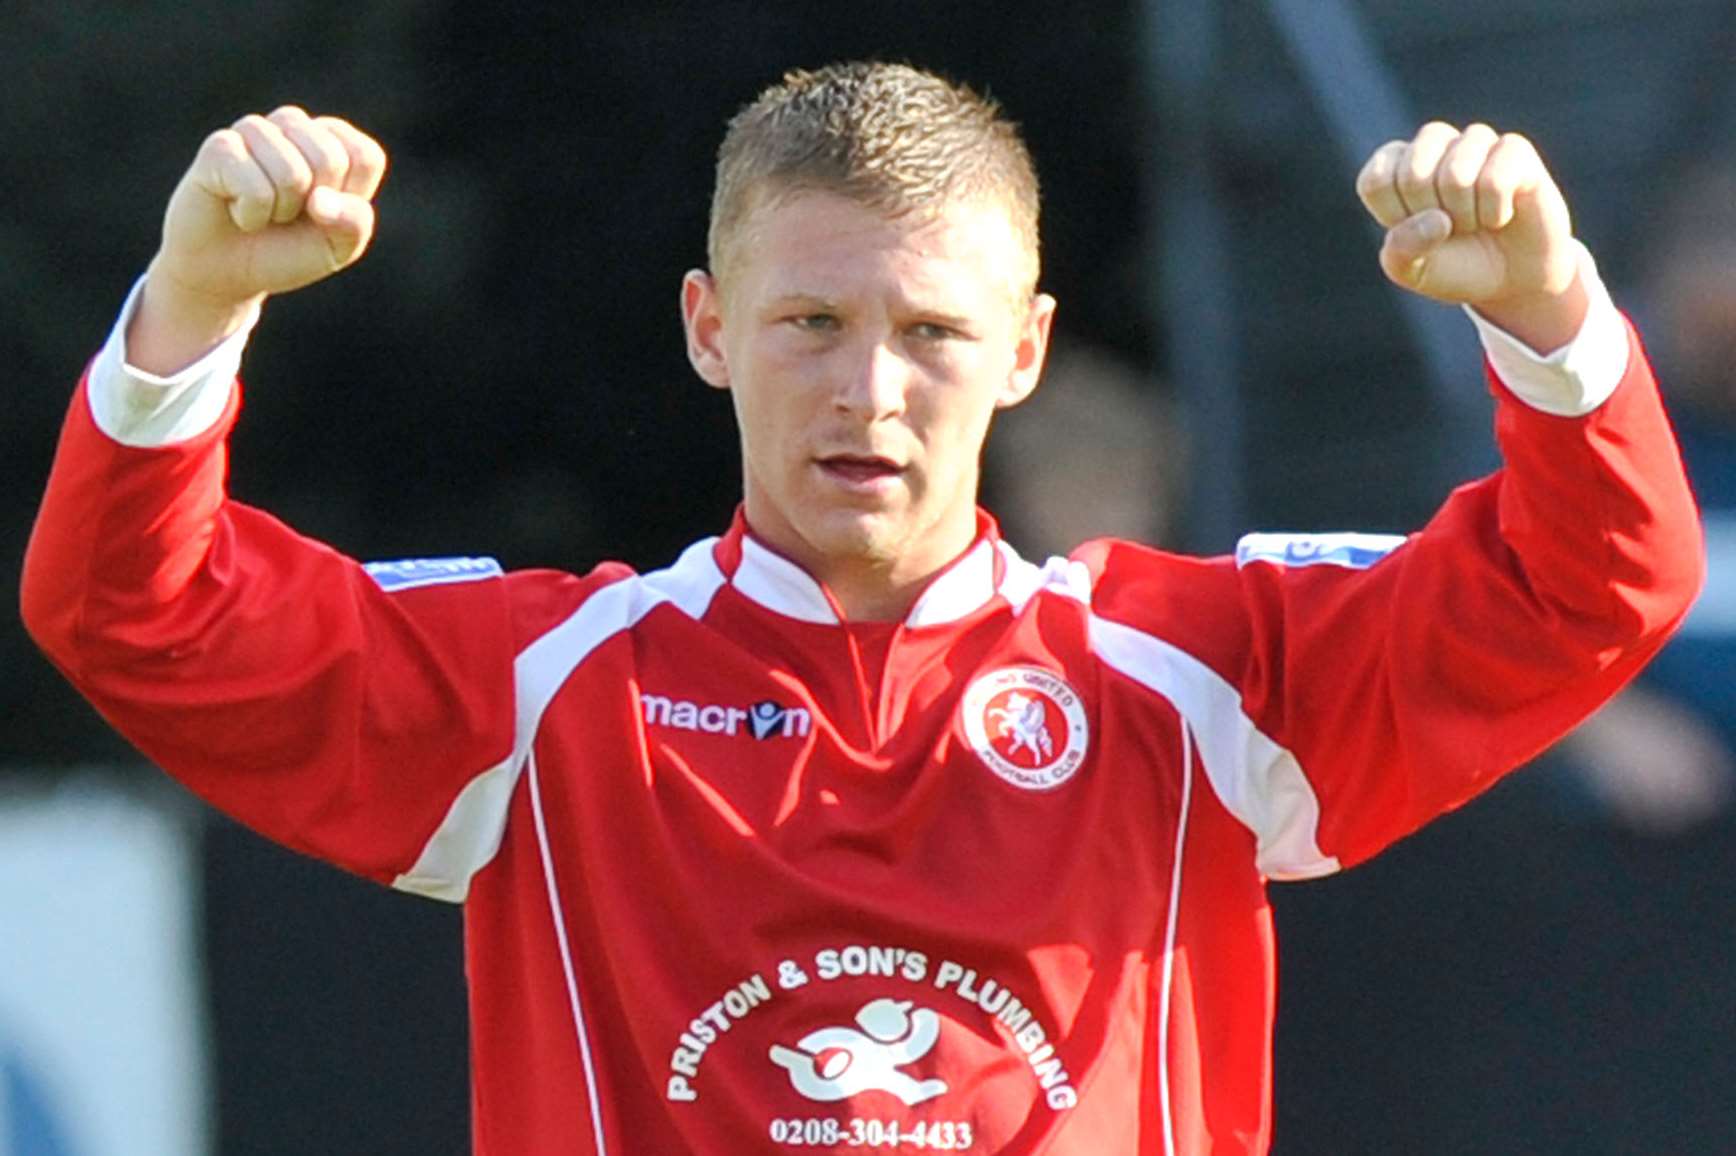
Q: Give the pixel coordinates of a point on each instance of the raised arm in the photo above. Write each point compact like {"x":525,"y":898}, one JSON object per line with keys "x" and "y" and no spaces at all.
{"x":269,"y":205}
{"x":1474,"y":218}
{"x":360,"y":714}
{"x":1348,"y":688}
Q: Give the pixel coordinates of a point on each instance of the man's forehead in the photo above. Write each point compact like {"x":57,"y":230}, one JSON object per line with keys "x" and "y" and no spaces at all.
{"x":820,"y":242}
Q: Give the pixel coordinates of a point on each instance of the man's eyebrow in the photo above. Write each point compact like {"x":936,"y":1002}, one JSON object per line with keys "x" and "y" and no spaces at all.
{"x":804,"y":299}
{"x":951,"y":320}
{"x":798,"y":299}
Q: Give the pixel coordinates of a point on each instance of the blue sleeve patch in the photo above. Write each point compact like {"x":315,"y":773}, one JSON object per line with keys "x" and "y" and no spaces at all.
{"x":412,"y":572}
{"x":1352,"y":551}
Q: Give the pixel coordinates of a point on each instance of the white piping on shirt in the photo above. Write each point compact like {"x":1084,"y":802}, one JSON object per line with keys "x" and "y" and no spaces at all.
{"x":1169,"y":939}
{"x":542,"y":838}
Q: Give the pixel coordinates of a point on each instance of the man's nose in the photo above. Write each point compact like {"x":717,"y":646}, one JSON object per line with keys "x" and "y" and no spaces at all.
{"x":874,"y":384}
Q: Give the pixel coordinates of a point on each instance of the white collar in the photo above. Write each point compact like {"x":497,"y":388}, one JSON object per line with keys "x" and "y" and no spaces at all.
{"x":962,"y":588}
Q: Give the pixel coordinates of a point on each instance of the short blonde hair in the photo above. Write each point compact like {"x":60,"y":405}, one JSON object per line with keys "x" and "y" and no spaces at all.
{"x":889,"y":136}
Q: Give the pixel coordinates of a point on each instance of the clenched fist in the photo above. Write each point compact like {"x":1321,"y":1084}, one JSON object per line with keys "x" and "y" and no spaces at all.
{"x":1474,"y":218}
{"x":270,"y":204}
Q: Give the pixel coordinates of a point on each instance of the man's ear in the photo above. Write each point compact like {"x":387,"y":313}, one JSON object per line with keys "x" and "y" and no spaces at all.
{"x":702,"y":317}
{"x":1032,"y":348}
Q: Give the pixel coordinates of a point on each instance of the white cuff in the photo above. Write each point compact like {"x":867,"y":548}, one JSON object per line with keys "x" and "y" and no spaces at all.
{"x":141,"y":409}
{"x":1575,"y":379}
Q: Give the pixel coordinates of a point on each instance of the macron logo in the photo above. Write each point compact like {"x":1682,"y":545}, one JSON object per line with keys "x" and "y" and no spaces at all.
{"x":764,"y":719}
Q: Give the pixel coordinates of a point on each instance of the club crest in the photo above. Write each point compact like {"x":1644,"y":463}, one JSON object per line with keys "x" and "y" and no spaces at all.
{"x":1027,"y":725}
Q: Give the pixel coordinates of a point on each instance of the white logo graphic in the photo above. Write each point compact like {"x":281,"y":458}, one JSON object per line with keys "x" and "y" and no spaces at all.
{"x":1026,"y":722}
{"x":836,"y":1063}
{"x":765,"y":720}
{"x":1027,"y":725}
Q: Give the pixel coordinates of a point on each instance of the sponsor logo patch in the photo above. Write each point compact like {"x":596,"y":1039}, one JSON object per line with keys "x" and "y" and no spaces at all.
{"x":1352,"y":551}
{"x":412,"y":572}
{"x":763,"y":720}
{"x":836,"y":1063}
{"x":1027,"y":725}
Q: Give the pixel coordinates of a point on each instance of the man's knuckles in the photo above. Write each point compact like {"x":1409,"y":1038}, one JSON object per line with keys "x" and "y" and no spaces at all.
{"x":326,"y":157}
{"x":223,"y":144}
{"x":1415,"y":180}
{"x":1376,"y":175}
{"x":1420,"y":162}
{"x":1519,"y":144}
{"x":367,"y":159}
{"x":286,"y":114}
{"x":1465,"y":160}
{"x":366,"y":149}
{"x":1494,"y":198}
{"x":282,"y":162}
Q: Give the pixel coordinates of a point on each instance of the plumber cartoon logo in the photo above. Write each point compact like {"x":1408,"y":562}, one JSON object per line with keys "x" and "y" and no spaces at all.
{"x":835,"y":1063}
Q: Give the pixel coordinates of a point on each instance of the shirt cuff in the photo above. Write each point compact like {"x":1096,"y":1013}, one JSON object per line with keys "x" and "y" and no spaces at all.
{"x":141,"y":409}
{"x":1575,"y":379}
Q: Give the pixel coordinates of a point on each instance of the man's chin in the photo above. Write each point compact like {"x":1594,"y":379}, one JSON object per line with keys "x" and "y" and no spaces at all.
{"x":860,"y":536}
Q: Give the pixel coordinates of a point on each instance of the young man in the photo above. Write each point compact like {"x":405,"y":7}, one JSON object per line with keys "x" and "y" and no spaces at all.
{"x":853,"y":829}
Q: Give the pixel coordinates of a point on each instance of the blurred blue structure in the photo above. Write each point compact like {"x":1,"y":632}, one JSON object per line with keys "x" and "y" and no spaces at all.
{"x":29,"y":1125}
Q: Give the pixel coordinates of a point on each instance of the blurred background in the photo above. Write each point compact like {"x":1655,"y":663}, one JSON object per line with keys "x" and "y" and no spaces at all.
{"x":1547,"y":971}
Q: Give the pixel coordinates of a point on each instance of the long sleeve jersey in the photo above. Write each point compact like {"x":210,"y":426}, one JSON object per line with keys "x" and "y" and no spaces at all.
{"x":741,"y":877}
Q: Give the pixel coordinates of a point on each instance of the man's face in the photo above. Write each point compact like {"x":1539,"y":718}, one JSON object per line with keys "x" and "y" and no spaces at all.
{"x":865,"y":355}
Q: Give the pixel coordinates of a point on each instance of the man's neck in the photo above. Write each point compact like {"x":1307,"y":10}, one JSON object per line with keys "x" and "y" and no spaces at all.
{"x":864,"y":589}
{"x":874,"y":596}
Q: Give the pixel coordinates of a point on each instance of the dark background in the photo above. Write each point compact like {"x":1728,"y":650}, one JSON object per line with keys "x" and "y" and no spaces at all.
{"x":503,"y":374}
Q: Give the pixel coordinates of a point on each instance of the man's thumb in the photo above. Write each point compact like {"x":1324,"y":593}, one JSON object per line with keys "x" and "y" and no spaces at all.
{"x":346,"y":219}
{"x":1410,"y":242}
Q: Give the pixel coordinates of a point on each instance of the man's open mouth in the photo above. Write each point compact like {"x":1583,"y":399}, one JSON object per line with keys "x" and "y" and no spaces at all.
{"x":859,"y":469}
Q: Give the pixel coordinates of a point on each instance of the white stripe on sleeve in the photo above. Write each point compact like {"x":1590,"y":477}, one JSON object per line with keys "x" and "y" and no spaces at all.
{"x":469,"y":836}
{"x":1258,"y":781}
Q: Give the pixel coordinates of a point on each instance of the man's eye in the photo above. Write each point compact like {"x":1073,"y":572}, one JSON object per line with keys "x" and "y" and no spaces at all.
{"x":817,"y":322}
{"x":932,"y":331}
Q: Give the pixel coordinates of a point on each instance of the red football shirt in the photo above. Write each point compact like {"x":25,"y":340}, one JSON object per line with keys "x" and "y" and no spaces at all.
{"x":740,"y":877}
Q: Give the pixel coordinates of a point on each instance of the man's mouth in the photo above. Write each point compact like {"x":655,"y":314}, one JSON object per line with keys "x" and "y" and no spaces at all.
{"x":867,"y":471}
